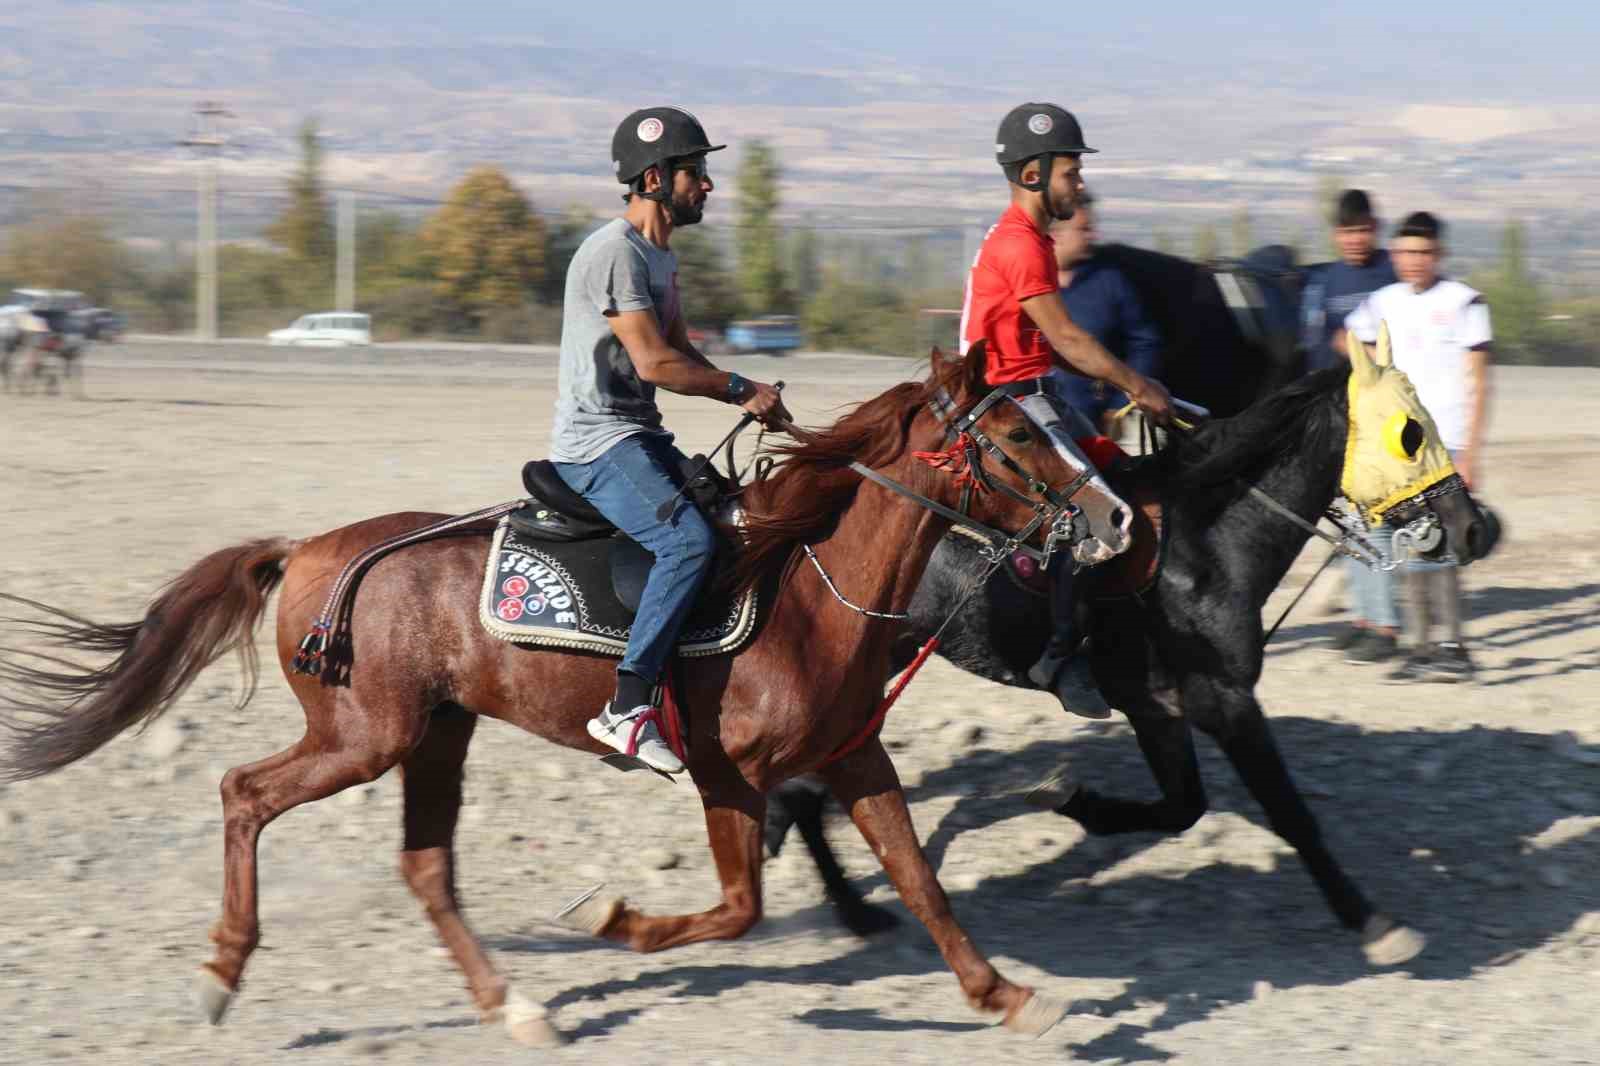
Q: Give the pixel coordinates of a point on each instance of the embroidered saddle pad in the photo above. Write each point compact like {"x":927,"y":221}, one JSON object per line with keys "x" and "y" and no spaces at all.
{"x":582,"y":594}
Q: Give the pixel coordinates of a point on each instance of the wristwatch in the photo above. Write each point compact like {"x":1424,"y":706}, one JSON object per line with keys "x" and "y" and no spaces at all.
{"x":738,"y":388}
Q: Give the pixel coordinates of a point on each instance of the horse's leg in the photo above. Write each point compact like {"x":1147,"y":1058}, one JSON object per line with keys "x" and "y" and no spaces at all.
{"x":1168,"y":746}
{"x":734,"y":813}
{"x":431,"y":778}
{"x":865,"y":782}
{"x":801,"y":802}
{"x":318,"y":765}
{"x":1242,"y":731}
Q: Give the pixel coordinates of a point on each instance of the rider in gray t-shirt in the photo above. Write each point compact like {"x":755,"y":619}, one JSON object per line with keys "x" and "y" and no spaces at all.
{"x":601,"y":396}
{"x":622,"y":335}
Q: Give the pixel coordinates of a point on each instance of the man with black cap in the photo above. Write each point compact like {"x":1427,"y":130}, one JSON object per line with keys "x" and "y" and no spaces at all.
{"x":623,"y":334}
{"x":1031,"y":343}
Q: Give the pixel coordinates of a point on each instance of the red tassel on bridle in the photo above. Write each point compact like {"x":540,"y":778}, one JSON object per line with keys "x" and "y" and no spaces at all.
{"x":953,"y":460}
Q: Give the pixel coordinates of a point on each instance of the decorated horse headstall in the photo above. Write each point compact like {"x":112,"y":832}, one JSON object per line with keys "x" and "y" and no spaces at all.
{"x":963,"y":457}
{"x":1395,"y":465}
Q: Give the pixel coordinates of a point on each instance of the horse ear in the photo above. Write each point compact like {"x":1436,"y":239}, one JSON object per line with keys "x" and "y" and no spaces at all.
{"x":1385,"y":356}
{"x":976,"y":357}
{"x":1361,"y":364}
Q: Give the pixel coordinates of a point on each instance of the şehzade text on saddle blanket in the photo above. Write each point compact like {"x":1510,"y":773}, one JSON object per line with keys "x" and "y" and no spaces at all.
{"x":560,"y":595}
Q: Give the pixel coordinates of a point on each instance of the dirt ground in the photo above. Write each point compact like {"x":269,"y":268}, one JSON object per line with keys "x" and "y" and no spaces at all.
{"x":1469,"y":811}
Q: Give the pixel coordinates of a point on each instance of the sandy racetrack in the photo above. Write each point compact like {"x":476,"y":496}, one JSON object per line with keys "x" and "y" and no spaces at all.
{"x":1471,"y":812}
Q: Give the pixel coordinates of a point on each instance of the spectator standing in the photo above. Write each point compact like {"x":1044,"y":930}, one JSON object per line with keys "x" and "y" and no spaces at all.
{"x":1440,"y":332}
{"x":1332,"y":291}
{"x":1101,"y":300}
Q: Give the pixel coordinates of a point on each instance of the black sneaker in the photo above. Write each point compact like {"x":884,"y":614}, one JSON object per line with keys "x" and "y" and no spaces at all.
{"x":1449,"y":661}
{"x":1349,"y":637}
{"x":1414,"y":667}
{"x":1374,"y":647}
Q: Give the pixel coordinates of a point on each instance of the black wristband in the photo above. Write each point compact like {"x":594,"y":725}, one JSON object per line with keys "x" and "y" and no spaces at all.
{"x":738,"y":388}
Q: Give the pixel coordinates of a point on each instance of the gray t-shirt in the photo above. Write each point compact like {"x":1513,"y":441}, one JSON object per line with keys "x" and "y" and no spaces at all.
{"x":601,"y":398}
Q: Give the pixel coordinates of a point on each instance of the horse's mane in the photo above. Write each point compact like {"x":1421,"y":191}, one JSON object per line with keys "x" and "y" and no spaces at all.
{"x":813,"y":482}
{"x":1301,"y":417}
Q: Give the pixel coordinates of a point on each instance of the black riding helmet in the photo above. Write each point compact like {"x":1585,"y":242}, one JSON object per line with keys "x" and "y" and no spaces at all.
{"x":652,"y":136}
{"x":1037,"y":131}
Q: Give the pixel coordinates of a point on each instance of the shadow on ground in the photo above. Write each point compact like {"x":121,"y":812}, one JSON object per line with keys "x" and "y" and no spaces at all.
{"x":1439,"y":828}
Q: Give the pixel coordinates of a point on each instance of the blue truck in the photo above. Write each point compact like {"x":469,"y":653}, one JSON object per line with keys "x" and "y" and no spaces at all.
{"x":773,"y":334}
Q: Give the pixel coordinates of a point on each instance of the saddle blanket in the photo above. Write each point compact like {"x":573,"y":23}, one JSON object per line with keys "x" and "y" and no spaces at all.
{"x":562,"y":595}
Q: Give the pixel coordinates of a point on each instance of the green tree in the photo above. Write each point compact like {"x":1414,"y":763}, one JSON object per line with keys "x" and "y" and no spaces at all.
{"x":805,"y":263}
{"x":257,"y":289}
{"x":305,"y":229}
{"x":761,"y":281}
{"x":1206,"y":244}
{"x":63,"y":246}
{"x":388,"y":245}
{"x":485,"y":247}
{"x":868,"y":316}
{"x":1515,"y":301}
{"x":706,"y":286}
{"x":561,"y":241}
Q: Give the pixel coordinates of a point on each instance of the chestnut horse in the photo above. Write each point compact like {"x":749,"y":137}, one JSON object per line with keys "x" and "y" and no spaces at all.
{"x":422,"y":670}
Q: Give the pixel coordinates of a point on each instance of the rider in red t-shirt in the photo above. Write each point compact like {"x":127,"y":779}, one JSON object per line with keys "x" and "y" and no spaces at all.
{"x":1014,"y":309}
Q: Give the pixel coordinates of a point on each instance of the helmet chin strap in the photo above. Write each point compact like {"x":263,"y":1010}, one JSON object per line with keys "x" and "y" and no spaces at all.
{"x":681,"y":216}
{"x":1041,"y":185}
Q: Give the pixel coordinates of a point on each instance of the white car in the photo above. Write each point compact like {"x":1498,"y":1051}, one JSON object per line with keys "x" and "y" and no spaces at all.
{"x":331,"y":329}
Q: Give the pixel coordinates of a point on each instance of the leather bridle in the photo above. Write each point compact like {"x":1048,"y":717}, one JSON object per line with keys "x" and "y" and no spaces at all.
{"x":965,"y":456}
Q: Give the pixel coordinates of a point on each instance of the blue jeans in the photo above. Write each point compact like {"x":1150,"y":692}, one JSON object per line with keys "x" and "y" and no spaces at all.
{"x":1373,"y":590}
{"x":627,"y":484}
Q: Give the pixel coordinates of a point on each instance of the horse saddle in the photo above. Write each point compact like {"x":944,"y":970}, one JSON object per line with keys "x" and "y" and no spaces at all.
{"x":560,"y":575}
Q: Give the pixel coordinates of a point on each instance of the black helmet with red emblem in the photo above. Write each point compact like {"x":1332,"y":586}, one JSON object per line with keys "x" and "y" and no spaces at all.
{"x":652,"y":136}
{"x":1037,"y":131}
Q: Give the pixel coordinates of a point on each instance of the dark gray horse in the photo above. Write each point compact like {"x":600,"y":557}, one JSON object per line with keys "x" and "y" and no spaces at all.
{"x":1188,"y":650}
{"x":1215,"y":353}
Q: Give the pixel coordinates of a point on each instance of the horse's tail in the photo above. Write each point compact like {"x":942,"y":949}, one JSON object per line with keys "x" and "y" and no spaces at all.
{"x":59,"y":711}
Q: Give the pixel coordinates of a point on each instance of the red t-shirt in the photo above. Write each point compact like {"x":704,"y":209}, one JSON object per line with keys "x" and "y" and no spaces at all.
{"x":1015,"y":263}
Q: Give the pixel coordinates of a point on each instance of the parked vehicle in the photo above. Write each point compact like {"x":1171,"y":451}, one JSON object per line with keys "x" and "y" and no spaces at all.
{"x":774,"y":334}
{"x":708,"y":341}
{"x":101,"y":324}
{"x":329,"y":329}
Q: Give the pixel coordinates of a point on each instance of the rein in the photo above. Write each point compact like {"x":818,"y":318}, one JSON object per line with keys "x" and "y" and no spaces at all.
{"x":964,"y":459}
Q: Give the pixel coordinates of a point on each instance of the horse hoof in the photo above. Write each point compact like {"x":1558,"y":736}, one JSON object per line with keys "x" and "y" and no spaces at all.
{"x":589,"y":913}
{"x":211,"y":995}
{"x":1037,"y":1015}
{"x":529,"y":1022}
{"x":1387,"y":944}
{"x":1054,"y":791}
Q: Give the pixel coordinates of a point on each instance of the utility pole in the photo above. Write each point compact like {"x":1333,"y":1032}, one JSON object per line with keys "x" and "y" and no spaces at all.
{"x":209,"y":141}
{"x":345,"y":269}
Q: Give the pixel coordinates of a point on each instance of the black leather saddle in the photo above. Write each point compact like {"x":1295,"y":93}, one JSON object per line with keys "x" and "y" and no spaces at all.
{"x":556,"y":513}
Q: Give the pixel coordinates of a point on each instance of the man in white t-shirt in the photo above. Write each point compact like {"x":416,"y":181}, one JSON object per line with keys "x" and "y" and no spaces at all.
{"x":1441,"y":336}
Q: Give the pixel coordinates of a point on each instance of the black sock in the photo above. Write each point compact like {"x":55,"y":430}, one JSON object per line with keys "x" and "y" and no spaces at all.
{"x":632,"y":691}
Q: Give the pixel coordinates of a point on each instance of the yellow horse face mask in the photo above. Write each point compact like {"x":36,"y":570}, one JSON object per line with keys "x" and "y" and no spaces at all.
{"x":1394,"y":452}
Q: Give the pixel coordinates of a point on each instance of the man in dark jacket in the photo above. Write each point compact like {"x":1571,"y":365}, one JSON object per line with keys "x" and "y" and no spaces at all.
{"x":1333,"y":290}
{"x":1102,"y":301}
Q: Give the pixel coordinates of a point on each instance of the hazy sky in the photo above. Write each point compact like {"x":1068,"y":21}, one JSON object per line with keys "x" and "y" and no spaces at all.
{"x":1464,"y":50}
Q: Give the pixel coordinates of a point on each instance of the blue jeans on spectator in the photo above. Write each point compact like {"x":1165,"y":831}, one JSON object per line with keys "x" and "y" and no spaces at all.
{"x":1373,"y":590}
{"x":627,"y":484}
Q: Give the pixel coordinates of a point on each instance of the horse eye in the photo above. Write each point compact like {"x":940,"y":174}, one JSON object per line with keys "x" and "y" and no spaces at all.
{"x":1411,"y":438}
{"x":1019,"y":435}
{"x":1403,"y":436}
